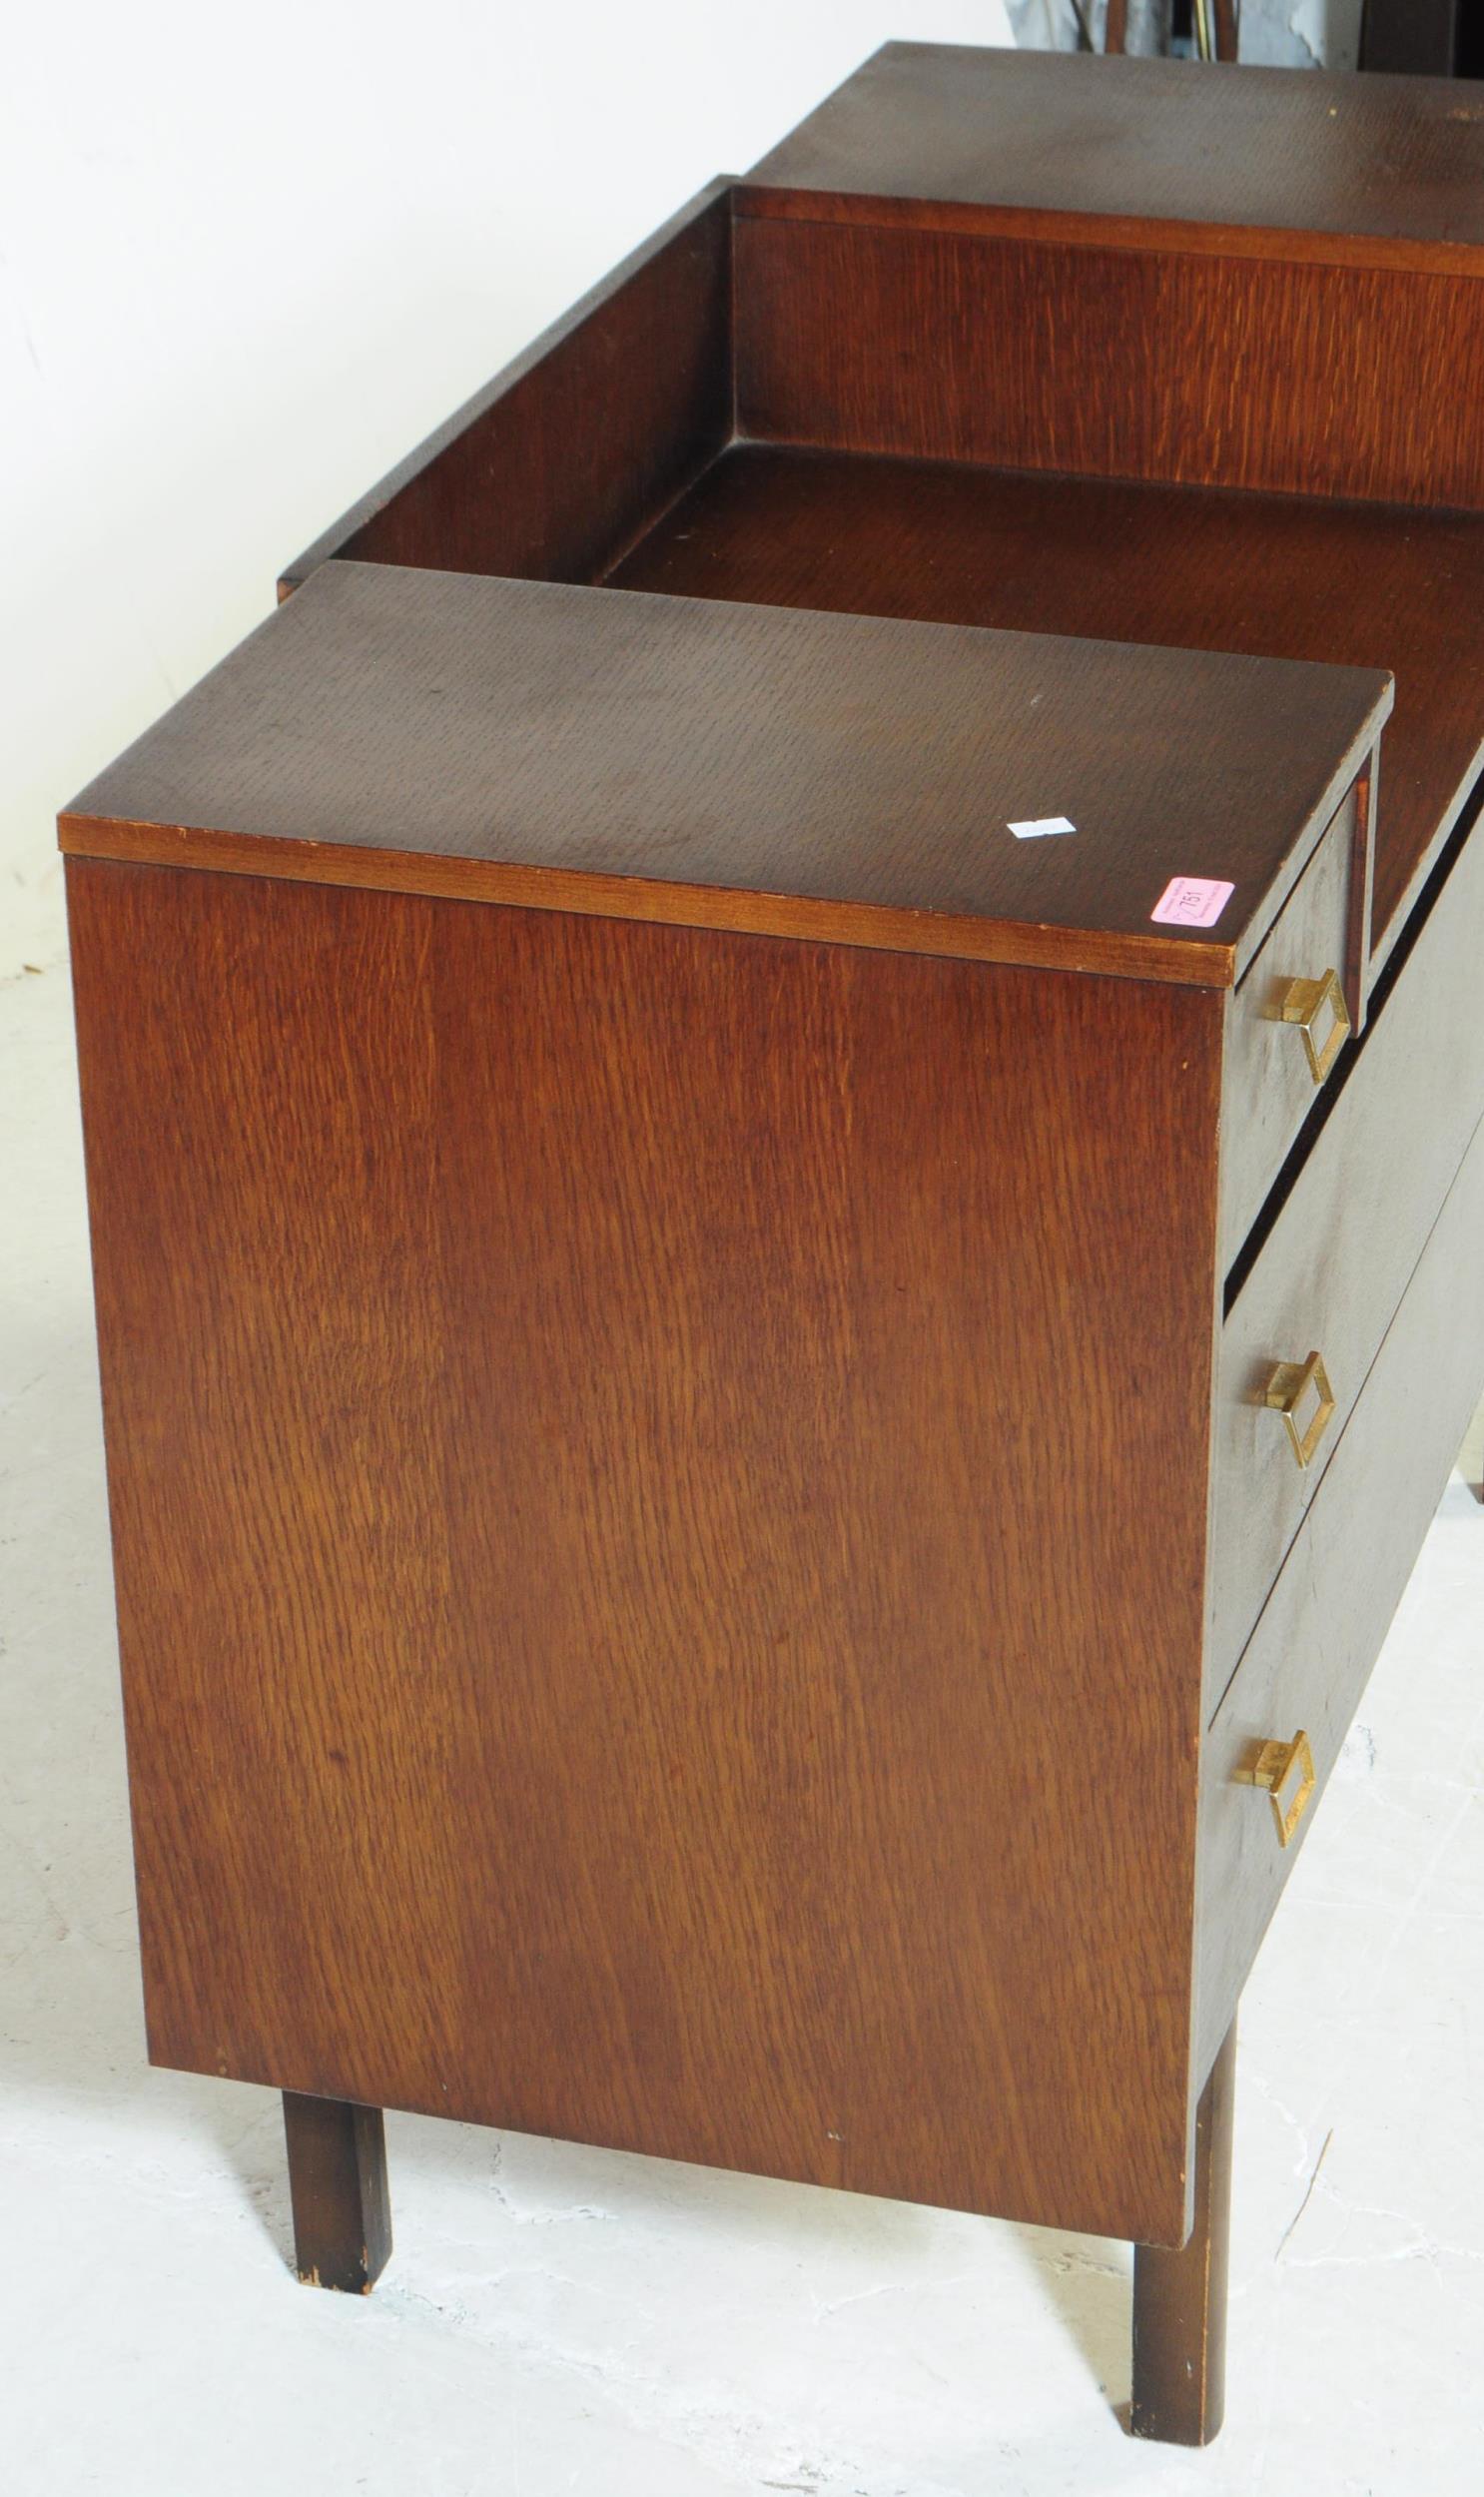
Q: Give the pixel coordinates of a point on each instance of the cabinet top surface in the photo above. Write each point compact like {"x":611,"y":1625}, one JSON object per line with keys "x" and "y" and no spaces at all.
{"x":795,"y":773}
{"x":1399,"y":160}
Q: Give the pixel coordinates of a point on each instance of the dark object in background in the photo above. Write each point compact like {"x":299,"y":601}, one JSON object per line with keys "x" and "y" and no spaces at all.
{"x":1438,"y":38}
{"x":1211,"y":25}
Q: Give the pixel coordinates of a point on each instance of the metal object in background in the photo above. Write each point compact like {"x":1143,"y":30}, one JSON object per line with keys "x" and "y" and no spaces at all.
{"x":1055,"y":25}
{"x":1444,"y":38}
{"x":1147,"y":26}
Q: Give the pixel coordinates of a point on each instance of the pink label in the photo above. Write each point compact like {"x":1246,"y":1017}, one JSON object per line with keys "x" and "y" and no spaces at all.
{"x":1193,"y":902}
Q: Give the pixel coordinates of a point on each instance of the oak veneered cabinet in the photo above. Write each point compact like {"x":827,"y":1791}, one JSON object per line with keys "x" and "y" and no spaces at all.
{"x":781,"y":1098}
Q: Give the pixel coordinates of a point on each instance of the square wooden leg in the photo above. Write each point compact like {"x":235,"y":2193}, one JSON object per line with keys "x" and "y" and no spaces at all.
{"x":1180,"y":2298}
{"x":338,"y":2184}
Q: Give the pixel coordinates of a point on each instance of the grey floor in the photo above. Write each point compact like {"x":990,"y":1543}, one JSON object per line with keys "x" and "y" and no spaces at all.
{"x":560,"y":2319}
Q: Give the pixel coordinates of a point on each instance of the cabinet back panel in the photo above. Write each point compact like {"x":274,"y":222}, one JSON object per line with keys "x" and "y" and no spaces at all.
{"x":1185,"y":368}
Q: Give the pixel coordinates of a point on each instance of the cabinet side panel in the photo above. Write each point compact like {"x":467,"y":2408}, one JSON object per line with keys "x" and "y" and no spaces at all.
{"x":659,"y":1482}
{"x":549,"y":472}
{"x":1185,"y":368}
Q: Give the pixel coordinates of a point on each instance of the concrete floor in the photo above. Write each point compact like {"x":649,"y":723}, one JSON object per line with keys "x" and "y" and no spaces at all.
{"x":557,"y":2319}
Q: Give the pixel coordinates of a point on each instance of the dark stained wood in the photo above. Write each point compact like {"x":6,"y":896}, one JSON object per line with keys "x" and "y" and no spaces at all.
{"x":1115,"y":34}
{"x":1088,"y":358}
{"x":338,"y":2181}
{"x":1168,"y":362}
{"x":1341,"y":1248}
{"x":1226,"y":12}
{"x":832,"y":776}
{"x":578,"y":442}
{"x":1317,"y":165}
{"x":1179,"y":2297}
{"x":678,"y":1313}
{"x":1302,"y":580}
{"x":1311,"y":1654}
{"x":587,"y":1408}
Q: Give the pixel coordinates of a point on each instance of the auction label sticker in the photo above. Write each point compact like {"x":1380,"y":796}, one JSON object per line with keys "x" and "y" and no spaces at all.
{"x":1037,"y":827}
{"x":1193,"y":902}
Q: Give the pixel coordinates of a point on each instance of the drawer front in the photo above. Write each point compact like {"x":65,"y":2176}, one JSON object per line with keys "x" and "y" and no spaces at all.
{"x":1335,"y":1264}
{"x":1289,"y":1031}
{"x":1322,"y":1630}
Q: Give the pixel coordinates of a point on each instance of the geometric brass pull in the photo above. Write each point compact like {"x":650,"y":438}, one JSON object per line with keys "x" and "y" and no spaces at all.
{"x":1288,"y":1388}
{"x":1319,"y":1010}
{"x":1273,"y":1766}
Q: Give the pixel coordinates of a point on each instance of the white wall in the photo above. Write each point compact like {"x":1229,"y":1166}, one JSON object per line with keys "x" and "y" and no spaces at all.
{"x":248,"y":259}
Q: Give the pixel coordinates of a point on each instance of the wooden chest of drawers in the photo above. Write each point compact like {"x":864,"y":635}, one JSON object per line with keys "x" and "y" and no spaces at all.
{"x":782,"y":1142}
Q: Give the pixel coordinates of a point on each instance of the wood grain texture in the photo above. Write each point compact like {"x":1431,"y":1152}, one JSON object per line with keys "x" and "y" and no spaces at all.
{"x":338,"y":2184}
{"x":1300,"y":579}
{"x":587,"y":1410}
{"x":1091,"y":360}
{"x":1341,"y":1251}
{"x":841,"y":777}
{"x":1328,"y":164}
{"x":1325,"y":1624}
{"x":577,"y":442}
{"x":1180,"y":2296}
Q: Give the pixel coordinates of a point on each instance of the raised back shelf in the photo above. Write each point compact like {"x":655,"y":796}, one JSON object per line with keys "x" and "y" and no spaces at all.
{"x":1327,"y":167}
{"x":985,"y":343}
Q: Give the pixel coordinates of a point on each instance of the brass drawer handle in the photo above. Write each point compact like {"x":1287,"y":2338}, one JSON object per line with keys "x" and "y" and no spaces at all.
{"x":1306,"y":1003}
{"x":1288,"y":1384}
{"x":1273,"y":1766}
